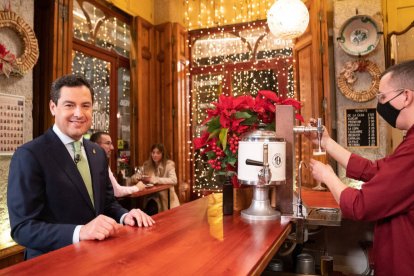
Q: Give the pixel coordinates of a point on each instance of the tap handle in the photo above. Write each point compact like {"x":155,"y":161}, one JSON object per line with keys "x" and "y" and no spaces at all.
{"x":319,"y":129}
{"x":254,"y":162}
{"x":265,"y":154}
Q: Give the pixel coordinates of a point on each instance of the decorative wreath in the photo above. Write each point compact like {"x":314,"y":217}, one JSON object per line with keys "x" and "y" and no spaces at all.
{"x":348,"y":77}
{"x":20,"y":65}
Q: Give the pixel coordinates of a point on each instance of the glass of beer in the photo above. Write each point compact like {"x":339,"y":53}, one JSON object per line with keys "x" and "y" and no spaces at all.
{"x":319,"y":155}
{"x":326,"y":265}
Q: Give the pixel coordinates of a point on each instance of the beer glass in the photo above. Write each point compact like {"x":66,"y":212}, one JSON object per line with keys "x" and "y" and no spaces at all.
{"x":326,"y":265}
{"x":319,"y":155}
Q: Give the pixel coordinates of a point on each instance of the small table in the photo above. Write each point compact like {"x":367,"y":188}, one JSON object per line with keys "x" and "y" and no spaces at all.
{"x":151,"y":190}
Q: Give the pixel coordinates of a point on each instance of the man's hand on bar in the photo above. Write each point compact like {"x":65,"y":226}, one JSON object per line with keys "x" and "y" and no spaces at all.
{"x":139,"y":218}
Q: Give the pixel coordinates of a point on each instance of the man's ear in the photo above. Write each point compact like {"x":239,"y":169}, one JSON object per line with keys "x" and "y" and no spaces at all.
{"x":52,"y":107}
{"x":409,"y":97}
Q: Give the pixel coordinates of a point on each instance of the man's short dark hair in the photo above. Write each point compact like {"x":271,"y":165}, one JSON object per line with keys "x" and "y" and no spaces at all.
{"x":402,"y":74}
{"x":68,"y":81}
{"x":96,"y":137}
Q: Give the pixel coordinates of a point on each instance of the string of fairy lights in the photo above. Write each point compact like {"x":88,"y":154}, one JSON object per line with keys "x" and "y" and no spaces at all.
{"x":212,"y":13}
{"x":111,"y":34}
{"x":213,"y":54}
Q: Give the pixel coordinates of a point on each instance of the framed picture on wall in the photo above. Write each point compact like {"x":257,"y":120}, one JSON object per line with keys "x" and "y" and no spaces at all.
{"x":11,"y":123}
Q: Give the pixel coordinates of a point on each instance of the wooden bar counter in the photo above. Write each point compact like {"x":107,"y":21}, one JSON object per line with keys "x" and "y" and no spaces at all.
{"x":193,"y":239}
{"x":313,"y":198}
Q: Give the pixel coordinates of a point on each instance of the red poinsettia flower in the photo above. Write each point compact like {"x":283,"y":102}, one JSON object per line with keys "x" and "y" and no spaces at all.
{"x":3,"y":50}
{"x":7,"y":61}
{"x":231,"y":117}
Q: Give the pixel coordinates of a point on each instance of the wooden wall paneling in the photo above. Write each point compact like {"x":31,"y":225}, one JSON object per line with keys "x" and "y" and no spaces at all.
{"x":164,"y":85}
{"x":147,"y":99}
{"x":304,"y":93}
{"x":311,"y":84}
{"x":182,"y":111}
{"x":328,"y":104}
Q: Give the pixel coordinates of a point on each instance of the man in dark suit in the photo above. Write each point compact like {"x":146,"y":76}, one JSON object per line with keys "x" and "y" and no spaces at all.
{"x":51,"y":201}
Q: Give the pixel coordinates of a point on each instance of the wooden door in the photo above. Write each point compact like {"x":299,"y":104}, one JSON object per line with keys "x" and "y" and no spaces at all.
{"x":312,"y":78}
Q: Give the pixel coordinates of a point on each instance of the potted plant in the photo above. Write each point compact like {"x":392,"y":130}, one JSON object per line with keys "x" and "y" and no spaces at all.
{"x":230,"y":118}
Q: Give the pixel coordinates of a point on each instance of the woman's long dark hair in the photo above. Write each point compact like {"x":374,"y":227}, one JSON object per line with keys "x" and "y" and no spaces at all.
{"x":150,"y":162}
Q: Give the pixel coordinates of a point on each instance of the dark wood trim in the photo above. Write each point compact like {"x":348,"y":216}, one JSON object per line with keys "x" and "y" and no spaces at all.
{"x":11,"y":255}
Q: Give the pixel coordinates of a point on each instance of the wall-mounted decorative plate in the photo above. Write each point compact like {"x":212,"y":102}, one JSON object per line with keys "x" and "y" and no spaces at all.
{"x":359,"y":35}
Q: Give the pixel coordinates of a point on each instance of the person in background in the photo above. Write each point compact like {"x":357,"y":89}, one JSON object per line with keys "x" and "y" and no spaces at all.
{"x":104,"y":140}
{"x":59,"y":191}
{"x":387,"y":196}
{"x":159,"y":170}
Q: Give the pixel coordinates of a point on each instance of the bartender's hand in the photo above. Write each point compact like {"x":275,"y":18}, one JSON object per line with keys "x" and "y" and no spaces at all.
{"x":320,"y":171}
{"x":313,"y":136}
{"x":99,"y":228}
{"x":139,"y":218}
{"x":324,"y":173}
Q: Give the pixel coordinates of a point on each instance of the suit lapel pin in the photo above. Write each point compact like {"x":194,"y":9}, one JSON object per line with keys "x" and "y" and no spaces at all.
{"x":93,"y":150}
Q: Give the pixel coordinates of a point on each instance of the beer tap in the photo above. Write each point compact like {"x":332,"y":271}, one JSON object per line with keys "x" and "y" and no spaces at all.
{"x":308,"y":129}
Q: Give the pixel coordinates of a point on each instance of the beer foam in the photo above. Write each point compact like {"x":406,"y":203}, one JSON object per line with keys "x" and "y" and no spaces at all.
{"x":319,"y":153}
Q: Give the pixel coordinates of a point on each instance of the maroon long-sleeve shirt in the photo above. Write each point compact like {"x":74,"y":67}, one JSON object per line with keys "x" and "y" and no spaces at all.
{"x":387,"y":197}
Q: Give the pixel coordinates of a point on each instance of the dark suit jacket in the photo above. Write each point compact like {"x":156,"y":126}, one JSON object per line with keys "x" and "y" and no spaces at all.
{"x":47,"y":198}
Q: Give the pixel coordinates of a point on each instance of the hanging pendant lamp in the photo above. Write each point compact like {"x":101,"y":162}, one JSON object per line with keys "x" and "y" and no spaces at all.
{"x":288,"y":19}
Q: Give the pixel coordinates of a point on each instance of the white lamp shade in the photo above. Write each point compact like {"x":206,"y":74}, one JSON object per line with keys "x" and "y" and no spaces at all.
{"x":288,"y":19}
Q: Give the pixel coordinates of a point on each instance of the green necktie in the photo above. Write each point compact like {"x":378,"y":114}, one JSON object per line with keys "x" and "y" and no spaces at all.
{"x":83,"y":168}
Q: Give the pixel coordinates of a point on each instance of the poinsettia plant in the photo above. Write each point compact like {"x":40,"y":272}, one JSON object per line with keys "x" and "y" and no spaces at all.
{"x":229,"y":119}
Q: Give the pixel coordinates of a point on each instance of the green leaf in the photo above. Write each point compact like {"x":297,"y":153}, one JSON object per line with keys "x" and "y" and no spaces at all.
{"x":211,"y":155}
{"x":250,"y":121}
{"x":231,"y":160}
{"x":214,"y":133}
{"x":223,"y":137}
{"x":270,"y":126}
{"x":213,"y":124}
{"x":244,"y":114}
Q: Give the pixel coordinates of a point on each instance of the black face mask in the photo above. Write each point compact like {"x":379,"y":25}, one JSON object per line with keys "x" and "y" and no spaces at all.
{"x":388,"y":112}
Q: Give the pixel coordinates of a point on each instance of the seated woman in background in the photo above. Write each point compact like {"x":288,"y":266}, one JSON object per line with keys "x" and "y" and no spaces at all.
{"x":159,"y":170}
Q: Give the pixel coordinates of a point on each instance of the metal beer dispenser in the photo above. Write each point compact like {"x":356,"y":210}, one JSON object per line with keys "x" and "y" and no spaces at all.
{"x":262,"y":163}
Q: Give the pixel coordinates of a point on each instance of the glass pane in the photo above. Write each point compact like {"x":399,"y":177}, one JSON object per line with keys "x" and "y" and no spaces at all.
{"x":271,"y":47}
{"x":205,"y":90}
{"x":124,"y":119}
{"x":218,"y":49}
{"x":97,"y":72}
{"x":81,"y":29}
{"x":91,"y":25}
{"x":250,"y":82}
{"x":114,"y":34}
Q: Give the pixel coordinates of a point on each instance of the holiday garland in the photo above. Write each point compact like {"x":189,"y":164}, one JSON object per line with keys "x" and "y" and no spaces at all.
{"x":9,"y":63}
{"x":348,"y":77}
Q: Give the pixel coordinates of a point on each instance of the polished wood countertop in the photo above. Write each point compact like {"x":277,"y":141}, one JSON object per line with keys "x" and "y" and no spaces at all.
{"x":192,"y":239}
{"x":313,"y":198}
{"x":150,"y":190}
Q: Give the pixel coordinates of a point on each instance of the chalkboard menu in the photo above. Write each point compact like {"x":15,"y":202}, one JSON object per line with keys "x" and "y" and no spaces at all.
{"x":361,"y":127}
